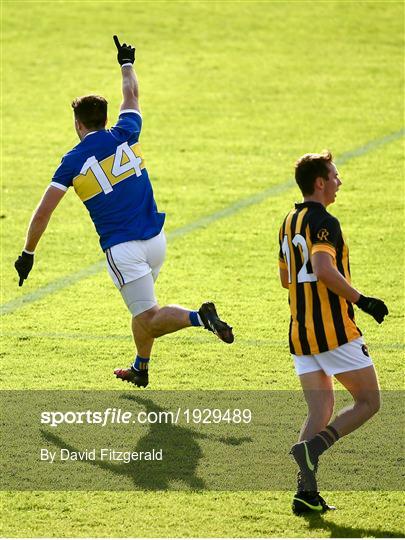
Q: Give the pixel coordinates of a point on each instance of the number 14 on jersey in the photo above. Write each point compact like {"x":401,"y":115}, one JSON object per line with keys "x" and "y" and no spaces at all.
{"x":118,"y":168}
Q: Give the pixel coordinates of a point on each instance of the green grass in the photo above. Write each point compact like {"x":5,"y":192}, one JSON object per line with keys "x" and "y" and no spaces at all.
{"x":232,"y":93}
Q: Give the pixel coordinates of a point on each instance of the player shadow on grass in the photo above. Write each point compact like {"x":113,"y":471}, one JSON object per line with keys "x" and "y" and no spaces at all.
{"x":181,"y":455}
{"x":317,"y":521}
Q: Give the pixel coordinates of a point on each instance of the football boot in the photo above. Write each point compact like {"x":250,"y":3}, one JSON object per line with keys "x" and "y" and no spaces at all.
{"x":213,"y":323}
{"x":137,"y":377}
{"x":307,"y":502}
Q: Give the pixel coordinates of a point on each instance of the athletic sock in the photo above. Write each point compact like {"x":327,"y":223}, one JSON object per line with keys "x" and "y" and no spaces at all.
{"x":140,"y":363}
{"x":195,"y":319}
{"x":322,"y":441}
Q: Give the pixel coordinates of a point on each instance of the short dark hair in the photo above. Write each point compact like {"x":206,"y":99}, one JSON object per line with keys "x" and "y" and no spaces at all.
{"x":91,"y":111}
{"x":309,"y":167}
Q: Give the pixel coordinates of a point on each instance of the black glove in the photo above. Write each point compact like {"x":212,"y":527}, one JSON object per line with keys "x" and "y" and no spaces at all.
{"x":23,"y":265}
{"x":373,"y":306}
{"x":126,"y":53}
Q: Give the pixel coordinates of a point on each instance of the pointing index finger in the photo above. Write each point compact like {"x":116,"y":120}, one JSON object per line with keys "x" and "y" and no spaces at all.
{"x":117,"y":43}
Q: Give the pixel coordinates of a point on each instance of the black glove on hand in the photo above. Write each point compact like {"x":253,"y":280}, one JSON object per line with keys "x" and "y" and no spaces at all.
{"x":126,"y":53}
{"x":373,"y":306}
{"x":23,"y":265}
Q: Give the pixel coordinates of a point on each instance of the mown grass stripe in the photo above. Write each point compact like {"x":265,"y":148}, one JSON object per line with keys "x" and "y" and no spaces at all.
{"x":66,"y":281}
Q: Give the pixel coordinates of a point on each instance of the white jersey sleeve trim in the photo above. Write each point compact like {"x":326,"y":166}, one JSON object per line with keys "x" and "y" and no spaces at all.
{"x":59,"y":186}
{"x":131,"y":110}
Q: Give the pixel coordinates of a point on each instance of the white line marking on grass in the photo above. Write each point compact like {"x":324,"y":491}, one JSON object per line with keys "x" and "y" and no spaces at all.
{"x":61,"y":283}
{"x":25,"y":336}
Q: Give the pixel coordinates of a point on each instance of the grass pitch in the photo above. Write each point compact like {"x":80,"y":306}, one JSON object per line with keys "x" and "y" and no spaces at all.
{"x":231,"y":94}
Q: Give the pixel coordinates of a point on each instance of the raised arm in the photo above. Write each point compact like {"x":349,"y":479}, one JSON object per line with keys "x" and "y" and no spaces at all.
{"x":130,"y":92}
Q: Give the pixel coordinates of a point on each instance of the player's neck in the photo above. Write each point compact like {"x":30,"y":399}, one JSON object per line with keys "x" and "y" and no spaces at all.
{"x":315,"y":197}
{"x":84,"y":133}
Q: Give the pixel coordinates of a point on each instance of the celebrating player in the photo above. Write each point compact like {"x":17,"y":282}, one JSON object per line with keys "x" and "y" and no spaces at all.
{"x":108,"y":173}
{"x":324,"y":339}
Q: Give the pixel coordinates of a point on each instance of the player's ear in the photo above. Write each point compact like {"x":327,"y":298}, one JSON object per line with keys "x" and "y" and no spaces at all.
{"x":319,"y":182}
{"x":78,"y":124}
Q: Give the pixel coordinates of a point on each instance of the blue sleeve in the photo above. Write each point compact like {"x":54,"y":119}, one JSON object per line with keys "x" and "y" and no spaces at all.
{"x":129,"y":125}
{"x":63,"y":176}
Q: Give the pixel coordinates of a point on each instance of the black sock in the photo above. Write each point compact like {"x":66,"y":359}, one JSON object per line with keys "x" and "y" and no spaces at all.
{"x":322,"y":441}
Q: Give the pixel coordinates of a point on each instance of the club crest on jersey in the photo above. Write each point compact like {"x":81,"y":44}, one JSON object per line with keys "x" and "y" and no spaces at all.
{"x":323,"y":234}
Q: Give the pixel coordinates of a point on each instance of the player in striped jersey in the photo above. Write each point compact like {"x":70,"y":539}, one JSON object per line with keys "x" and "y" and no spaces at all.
{"x":324,"y":339}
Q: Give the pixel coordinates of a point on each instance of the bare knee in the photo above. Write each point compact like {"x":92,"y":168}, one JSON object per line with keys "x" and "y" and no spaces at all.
{"x":374,"y":403}
{"x":371,"y":402}
{"x":153,"y":327}
{"x":145,"y":320}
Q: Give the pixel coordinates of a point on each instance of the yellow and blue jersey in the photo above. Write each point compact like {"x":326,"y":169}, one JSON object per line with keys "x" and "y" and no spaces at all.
{"x":108,"y":173}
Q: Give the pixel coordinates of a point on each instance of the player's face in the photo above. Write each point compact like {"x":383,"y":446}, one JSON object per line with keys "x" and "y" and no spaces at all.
{"x":332,"y":185}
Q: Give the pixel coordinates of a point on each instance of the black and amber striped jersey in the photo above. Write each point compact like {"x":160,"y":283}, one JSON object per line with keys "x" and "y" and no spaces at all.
{"x":320,"y":319}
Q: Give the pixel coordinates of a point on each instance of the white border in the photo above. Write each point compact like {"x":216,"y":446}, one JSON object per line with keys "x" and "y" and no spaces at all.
{"x":59,"y":186}
{"x":131,"y":110}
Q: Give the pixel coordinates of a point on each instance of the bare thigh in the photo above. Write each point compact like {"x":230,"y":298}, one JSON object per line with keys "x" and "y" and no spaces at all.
{"x":317,"y":387}
{"x":362,"y":385}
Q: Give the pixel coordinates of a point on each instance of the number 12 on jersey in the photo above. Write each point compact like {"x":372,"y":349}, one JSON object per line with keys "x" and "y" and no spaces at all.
{"x":118,"y":168}
{"x":303,"y":275}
